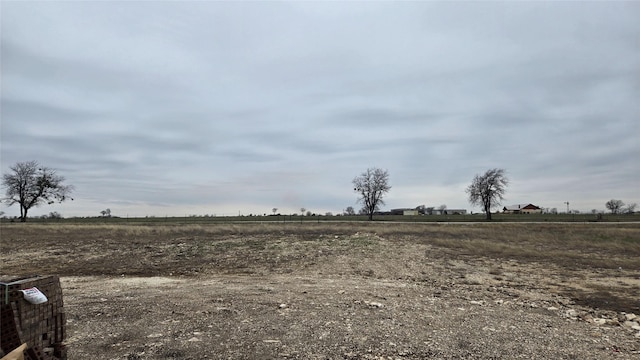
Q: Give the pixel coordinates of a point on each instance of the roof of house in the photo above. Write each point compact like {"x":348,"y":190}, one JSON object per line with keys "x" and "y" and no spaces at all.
{"x":520,"y":207}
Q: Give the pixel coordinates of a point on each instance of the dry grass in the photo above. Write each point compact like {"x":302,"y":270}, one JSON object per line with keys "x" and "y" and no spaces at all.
{"x":566,"y":253}
{"x":608,"y":246}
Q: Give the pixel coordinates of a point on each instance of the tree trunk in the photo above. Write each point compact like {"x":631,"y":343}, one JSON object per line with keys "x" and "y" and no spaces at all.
{"x":23,"y":213}
{"x":487,"y":210}
{"x":370,"y":216}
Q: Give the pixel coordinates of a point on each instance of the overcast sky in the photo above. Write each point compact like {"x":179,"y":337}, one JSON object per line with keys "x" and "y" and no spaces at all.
{"x":178,"y":108}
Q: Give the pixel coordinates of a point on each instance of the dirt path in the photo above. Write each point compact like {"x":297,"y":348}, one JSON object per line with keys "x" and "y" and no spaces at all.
{"x":279,"y":317}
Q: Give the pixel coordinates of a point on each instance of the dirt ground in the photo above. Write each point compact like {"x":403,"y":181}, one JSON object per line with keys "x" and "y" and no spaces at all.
{"x":340,"y":291}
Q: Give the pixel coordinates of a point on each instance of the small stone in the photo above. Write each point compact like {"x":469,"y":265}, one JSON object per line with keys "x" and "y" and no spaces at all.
{"x":630,"y":317}
{"x":154,"y":335}
{"x":571,"y":313}
{"x":630,"y":324}
{"x":600,"y":321}
{"x":552,"y":308}
{"x":194,"y":339}
{"x":376,"y":304}
{"x":282,"y":306}
{"x":474,"y":302}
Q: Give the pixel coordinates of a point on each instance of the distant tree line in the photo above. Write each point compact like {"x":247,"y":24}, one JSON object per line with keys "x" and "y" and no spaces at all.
{"x":618,"y":207}
{"x":29,"y":185}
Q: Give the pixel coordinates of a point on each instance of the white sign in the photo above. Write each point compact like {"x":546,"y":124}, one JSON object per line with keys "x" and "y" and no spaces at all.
{"x":34,"y":296}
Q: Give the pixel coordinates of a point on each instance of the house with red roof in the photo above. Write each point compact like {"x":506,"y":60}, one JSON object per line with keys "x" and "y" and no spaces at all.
{"x":522,"y":209}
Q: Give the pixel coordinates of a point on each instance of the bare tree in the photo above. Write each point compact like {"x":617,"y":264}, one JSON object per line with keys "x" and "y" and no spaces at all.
{"x":349,"y":211}
{"x":54,"y":215}
{"x":371,"y":186}
{"x":443,"y":209}
{"x":631,"y":208}
{"x":30,"y":184}
{"x":274,"y":210}
{"x":302,"y":210}
{"x":614,"y":205}
{"x":488,"y":190}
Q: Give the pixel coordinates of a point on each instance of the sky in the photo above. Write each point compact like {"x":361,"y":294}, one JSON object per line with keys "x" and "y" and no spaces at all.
{"x":161,"y":108}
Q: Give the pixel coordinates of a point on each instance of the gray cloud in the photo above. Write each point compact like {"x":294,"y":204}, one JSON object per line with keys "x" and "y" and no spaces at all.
{"x":208,"y":107}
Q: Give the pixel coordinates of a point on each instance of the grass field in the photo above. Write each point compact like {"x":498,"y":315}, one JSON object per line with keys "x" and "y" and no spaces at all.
{"x":570,"y":246}
{"x":497,"y":218}
{"x":343,"y":290}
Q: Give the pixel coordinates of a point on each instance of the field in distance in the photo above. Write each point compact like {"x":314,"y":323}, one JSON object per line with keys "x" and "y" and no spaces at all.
{"x":346,"y":290}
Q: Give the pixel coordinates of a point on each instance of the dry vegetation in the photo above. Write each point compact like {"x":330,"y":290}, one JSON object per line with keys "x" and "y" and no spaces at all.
{"x":306,"y":290}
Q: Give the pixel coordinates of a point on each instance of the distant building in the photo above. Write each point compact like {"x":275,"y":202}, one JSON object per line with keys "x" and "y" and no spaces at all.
{"x":457,"y":211}
{"x":404,"y":211}
{"x":448,"y":212}
{"x":522,"y":209}
{"x":421,"y":210}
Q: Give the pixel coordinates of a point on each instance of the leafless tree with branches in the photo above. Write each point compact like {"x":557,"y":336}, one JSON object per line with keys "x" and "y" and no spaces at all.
{"x":29,"y":184}
{"x":488,"y":189}
{"x":371,"y":186}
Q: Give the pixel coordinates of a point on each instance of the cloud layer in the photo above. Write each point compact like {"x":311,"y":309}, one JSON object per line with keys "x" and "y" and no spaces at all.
{"x":169,"y":108}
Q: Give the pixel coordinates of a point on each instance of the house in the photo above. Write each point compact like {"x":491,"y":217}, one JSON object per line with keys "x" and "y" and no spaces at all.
{"x":422,"y":210}
{"x":448,"y":212}
{"x":404,"y":211}
{"x":522,"y":209}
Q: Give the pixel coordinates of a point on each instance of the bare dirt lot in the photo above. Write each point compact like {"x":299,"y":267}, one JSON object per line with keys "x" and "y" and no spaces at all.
{"x":340,"y":290}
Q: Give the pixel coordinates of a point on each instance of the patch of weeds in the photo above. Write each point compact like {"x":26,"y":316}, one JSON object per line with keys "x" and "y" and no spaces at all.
{"x":360,"y":241}
{"x":365,"y":273}
{"x":226,"y":245}
{"x":173,"y":354}
{"x":235,"y":244}
{"x":463,"y":344}
{"x":604,"y":300}
{"x":471,"y":281}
